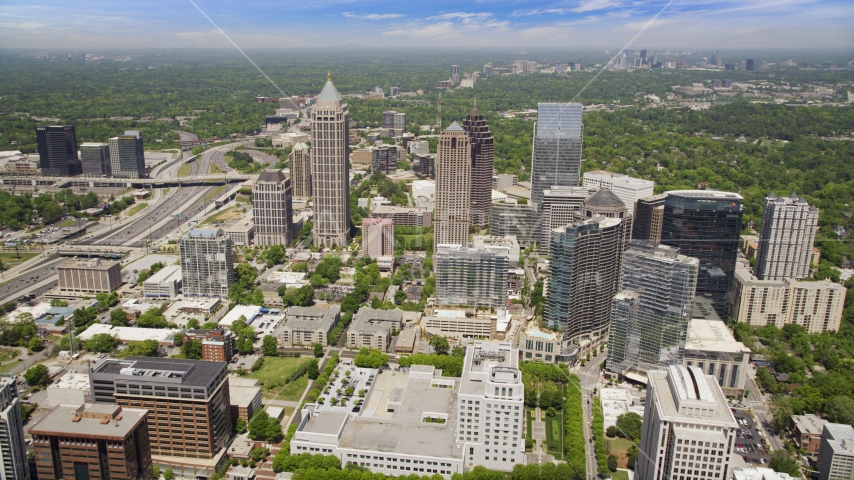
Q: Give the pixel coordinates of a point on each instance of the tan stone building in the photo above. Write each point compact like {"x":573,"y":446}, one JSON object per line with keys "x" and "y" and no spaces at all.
{"x":89,"y":276}
{"x":377,"y":237}
{"x":300,"y":159}
{"x":453,"y":187}
{"x":271,"y":209}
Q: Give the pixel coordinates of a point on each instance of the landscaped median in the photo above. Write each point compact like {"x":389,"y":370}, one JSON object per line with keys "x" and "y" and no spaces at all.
{"x":574,"y":440}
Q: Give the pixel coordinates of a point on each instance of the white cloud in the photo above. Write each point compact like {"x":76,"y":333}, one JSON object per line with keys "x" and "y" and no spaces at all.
{"x":461,"y":16}
{"x":540,"y":11}
{"x":593,"y":5}
{"x":23,"y":25}
{"x":373,"y":16}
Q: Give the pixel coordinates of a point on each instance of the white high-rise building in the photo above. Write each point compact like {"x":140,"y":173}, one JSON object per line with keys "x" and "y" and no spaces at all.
{"x":271,"y":209}
{"x":626,"y":188}
{"x":688,"y":429}
{"x":560,"y":204}
{"x":13,"y":449}
{"x":471,"y":276}
{"x":207,"y":266}
{"x":788,"y":231}
{"x":452,"y":213}
{"x":330,"y":168}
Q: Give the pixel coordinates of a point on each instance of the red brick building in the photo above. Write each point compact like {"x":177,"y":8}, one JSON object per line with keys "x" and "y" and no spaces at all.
{"x":217,"y":345}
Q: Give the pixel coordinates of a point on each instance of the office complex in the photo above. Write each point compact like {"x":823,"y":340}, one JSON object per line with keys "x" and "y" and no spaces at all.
{"x":471,"y":276}
{"x":395,"y":120}
{"x":127,"y":156}
{"x":789,"y":225}
{"x":58,"y":150}
{"x":519,"y":220}
{"x":426,"y":164}
{"x":300,"y":159}
{"x":835,"y":456}
{"x":207,"y":265}
{"x":330,"y":168}
{"x":384,"y":159}
{"x":373,"y":328}
{"x":95,"y":159}
{"x":271,"y":209}
{"x":712,"y":348}
{"x":453,"y":187}
{"x":92,"y":441}
{"x":217,"y":345}
{"x":584,"y":275}
{"x":88,"y":276}
{"x":165,"y":283}
{"x":482,"y":241}
{"x":664,"y":283}
{"x":404,"y":216}
{"x":377,"y":237}
{"x":13,"y":449}
{"x":560,"y":204}
{"x":815,"y":305}
{"x":308,"y":325}
{"x":688,"y":429}
{"x":164,"y":386}
{"x":706,"y":225}
{"x":649,"y":216}
{"x":481,"y":167}
{"x":626,"y":188}
{"x":556,"y":160}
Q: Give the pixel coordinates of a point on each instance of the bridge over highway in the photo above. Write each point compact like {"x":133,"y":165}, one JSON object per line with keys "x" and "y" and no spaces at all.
{"x":66,"y":182}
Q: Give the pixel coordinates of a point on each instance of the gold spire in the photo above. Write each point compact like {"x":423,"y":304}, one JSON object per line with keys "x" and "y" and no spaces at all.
{"x":328,"y":76}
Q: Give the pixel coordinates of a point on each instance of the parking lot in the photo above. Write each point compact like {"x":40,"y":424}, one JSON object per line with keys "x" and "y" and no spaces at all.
{"x":749,"y":444}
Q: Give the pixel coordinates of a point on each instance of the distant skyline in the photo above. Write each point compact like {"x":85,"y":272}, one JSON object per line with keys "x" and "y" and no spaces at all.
{"x":568,"y":25}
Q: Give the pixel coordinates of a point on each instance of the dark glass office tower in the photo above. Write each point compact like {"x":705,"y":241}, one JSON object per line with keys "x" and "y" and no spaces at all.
{"x":58,"y":150}
{"x":649,"y":212}
{"x":556,"y":159}
{"x":706,"y":225}
{"x":481,"y":167}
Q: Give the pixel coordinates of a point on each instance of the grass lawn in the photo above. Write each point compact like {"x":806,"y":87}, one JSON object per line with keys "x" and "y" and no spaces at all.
{"x":620,"y":475}
{"x":224,"y":215}
{"x":8,"y":354}
{"x":184,"y":170}
{"x":278,"y":368}
{"x":618,"y":447}
{"x":243,"y":198}
{"x":554,"y":435}
{"x":215,"y":193}
{"x":164,"y":191}
{"x":7,"y":366}
{"x":214,"y":169}
{"x":136,"y":209}
{"x":293,"y":391}
{"x":11,"y":259}
{"x":68,"y":223}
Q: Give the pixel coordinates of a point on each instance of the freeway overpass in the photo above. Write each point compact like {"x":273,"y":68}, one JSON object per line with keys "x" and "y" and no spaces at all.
{"x":66,"y":182}
{"x":97,"y":251}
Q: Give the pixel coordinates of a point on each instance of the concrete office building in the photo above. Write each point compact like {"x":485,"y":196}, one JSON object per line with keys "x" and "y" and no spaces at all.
{"x":471,"y":276}
{"x":664,"y":283}
{"x":384,"y":159}
{"x":404,"y":216}
{"x":166,"y":283}
{"x":244,"y":398}
{"x":758,"y":473}
{"x":57,"y":146}
{"x":460,"y":326}
{"x":165,"y":386}
{"x":688,"y":429}
{"x":377,"y":237}
{"x":512,"y":219}
{"x":207,"y":265}
{"x":556,"y":158}
{"x":483,"y":241}
{"x":815,"y":305}
{"x":88,"y":276}
{"x":789,"y":225}
{"x":308,"y":325}
{"x":95,"y":159}
{"x":395,"y":120}
{"x":806,"y":432}
{"x":559,"y":207}
{"x":712,"y":348}
{"x":13,"y":449}
{"x":272,"y":209}
{"x":649,"y":216}
{"x":330,"y":168}
{"x":503,"y":181}
{"x":372,"y":328}
{"x":482,"y":157}
{"x":92,"y":441}
{"x":706,"y":225}
{"x":241,"y":233}
{"x":584,"y":274}
{"x":127,"y":155}
{"x":453,"y":187}
{"x":836,"y":455}
{"x":626,"y":188}
{"x":300,"y":159}
{"x":217,"y":345}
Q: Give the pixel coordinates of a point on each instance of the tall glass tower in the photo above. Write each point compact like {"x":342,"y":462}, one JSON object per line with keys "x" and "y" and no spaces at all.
{"x":481,"y":167}
{"x":556,"y":160}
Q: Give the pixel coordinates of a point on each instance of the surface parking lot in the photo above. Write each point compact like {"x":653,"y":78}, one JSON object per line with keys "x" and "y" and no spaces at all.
{"x":749,"y":444}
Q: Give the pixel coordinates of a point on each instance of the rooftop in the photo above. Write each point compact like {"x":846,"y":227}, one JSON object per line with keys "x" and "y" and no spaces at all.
{"x":368,"y":320}
{"x":204,"y":233}
{"x":274,"y":176}
{"x":329,"y":92}
{"x":685,"y":394}
{"x":604,"y":198}
{"x":130,"y":334}
{"x":191,"y":372}
{"x":311,"y":318}
{"x":102,"y":421}
{"x":712,"y":336}
{"x":840,"y":437}
{"x":165,"y":274}
{"x":712,"y":194}
{"x":91,"y":263}
{"x":809,"y":423}
{"x":532,"y":330}
{"x":241,"y":395}
{"x":247,"y":311}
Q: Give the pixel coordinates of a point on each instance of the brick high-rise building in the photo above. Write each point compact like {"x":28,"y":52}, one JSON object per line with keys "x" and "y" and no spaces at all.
{"x":481,"y":170}
{"x":452,"y":214}
{"x":786,"y":240}
{"x":271,"y":209}
{"x":300,"y":158}
{"x":58,"y":150}
{"x":377,"y":237}
{"x":217,"y":345}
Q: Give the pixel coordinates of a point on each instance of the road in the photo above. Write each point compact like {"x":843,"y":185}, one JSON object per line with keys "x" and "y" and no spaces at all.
{"x":36,"y":275}
{"x":589,"y":378}
{"x":759,"y":405}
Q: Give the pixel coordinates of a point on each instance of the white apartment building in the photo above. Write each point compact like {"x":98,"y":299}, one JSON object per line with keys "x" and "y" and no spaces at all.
{"x":688,"y":429}
{"x":628,"y":189}
{"x":471,"y":276}
{"x":836,"y":454}
{"x":789,"y":225}
{"x":207,"y":265}
{"x":372,"y":328}
{"x":817,"y":306}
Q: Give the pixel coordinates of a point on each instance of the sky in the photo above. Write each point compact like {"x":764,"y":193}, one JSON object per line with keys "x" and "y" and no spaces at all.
{"x":474,"y":24}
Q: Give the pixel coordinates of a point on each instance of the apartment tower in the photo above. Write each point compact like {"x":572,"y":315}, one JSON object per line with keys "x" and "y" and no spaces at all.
{"x":481,"y":166}
{"x":330,"y":174}
{"x":471,"y":276}
{"x":452,"y":214}
{"x":789,"y":225}
{"x":649,"y":215}
{"x":58,"y":150}
{"x":207,"y":265}
{"x":300,"y":158}
{"x":556,"y":158}
{"x":377,"y":237}
{"x":271,"y":209}
{"x":13,"y":449}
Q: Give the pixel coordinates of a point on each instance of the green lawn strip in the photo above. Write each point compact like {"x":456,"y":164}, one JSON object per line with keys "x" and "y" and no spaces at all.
{"x":215,"y":193}
{"x":184,"y":170}
{"x":10,"y":259}
{"x":620,"y":475}
{"x":8,"y":366}
{"x":68,"y":223}
{"x":293,"y":391}
{"x":136,"y":209}
{"x":219,"y":217}
{"x":278,"y":368}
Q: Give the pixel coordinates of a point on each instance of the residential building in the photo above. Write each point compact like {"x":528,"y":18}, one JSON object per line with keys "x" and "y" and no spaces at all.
{"x":559,"y":207}
{"x":127,"y":155}
{"x":308,"y":325}
{"x":404,"y":216}
{"x":815,"y":305}
{"x":471,"y":276}
{"x":300,"y":160}
{"x":92,"y":441}
{"x":166,"y":283}
{"x":539,"y":345}
{"x":626,"y":188}
{"x":585,"y":260}
{"x":244,"y":398}
{"x":95,"y":159}
{"x":712,"y":348}
{"x":330,"y":168}
{"x":272,"y":209}
{"x":207,"y":265}
{"x":372,"y":328}
{"x":685,"y":411}
{"x":453,"y":187}
{"x":649,"y":216}
{"x":624,"y":336}
{"x":384,"y":159}
{"x":519,"y":220}
{"x":57,"y":146}
{"x":217,"y":345}
{"x":481,"y":167}
{"x":165,"y":386}
{"x":13,"y":447}
{"x":806,"y":432}
{"x":457,"y":324}
{"x":488,"y":71}
{"x":483,"y":241}
{"x":395,"y":120}
{"x":705,"y":224}
{"x":88,"y":276}
{"x":664,"y":283}
{"x":377,"y":237}
{"x":835,"y":456}
{"x":789,"y":225}
{"x":556,"y":158}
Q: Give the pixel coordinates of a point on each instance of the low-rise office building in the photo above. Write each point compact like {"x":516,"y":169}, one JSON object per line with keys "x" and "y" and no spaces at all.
{"x":89,"y":276}
{"x":457,"y":324}
{"x":163,"y":336}
{"x":244,"y":397}
{"x":372,"y":328}
{"x":712,"y":348}
{"x":758,"y":473}
{"x":806,"y":431}
{"x":308,"y":325}
{"x":166,"y":283}
{"x":836,"y":455}
{"x":242,"y":233}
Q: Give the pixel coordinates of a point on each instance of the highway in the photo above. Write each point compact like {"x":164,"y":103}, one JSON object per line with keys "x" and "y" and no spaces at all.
{"x":37,"y":275}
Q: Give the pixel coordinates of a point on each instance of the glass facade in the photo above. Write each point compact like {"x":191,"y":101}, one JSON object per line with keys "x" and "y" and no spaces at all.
{"x":513,"y":219}
{"x":557,"y":148}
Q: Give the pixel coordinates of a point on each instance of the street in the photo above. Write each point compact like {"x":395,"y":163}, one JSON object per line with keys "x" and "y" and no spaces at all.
{"x":588,"y":376}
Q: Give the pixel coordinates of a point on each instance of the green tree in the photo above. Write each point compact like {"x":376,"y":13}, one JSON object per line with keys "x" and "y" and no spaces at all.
{"x":782,"y":461}
{"x":239,"y":425}
{"x":101,"y":343}
{"x":312,"y":369}
{"x":275,"y":255}
{"x":168,"y":474}
{"x":629,"y":425}
{"x":36,"y":375}
{"x":35,"y":344}
{"x":370,"y":358}
{"x":318,"y":350}
{"x":612,"y":463}
{"x":193,"y":324}
{"x":440,"y":344}
{"x":269,"y":346}
{"x":118,"y":318}
{"x":145,"y":348}
{"x":781,"y":413}
{"x":840,"y":409}
{"x":192,"y":349}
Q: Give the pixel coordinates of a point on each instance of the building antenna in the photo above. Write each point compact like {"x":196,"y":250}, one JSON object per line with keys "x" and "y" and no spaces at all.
{"x":439,"y":116}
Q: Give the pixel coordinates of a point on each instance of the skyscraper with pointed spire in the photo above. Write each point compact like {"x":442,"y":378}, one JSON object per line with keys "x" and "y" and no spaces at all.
{"x":330,"y":173}
{"x":481,"y":166}
{"x":452,"y":215}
